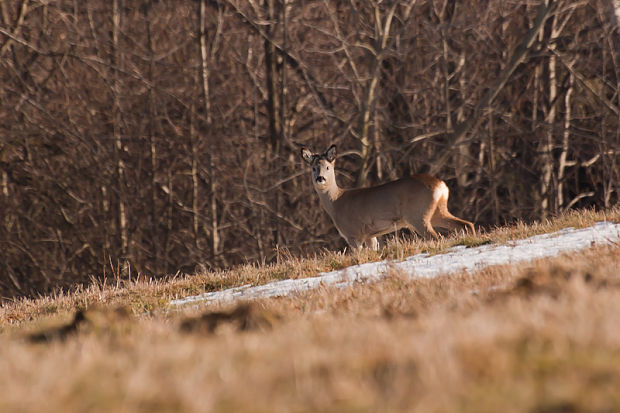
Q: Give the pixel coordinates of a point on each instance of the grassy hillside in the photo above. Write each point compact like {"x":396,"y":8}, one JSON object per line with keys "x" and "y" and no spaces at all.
{"x":537,"y":337}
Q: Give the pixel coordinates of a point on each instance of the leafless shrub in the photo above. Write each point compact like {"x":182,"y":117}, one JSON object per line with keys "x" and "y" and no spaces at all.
{"x":151,"y":137}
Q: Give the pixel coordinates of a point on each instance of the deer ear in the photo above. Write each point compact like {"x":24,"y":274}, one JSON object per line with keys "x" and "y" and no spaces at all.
{"x":331,"y":153}
{"x":307,"y":155}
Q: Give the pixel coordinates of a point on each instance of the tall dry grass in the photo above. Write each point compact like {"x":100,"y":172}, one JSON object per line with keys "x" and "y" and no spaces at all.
{"x":148,"y":295}
{"x":538,"y":337}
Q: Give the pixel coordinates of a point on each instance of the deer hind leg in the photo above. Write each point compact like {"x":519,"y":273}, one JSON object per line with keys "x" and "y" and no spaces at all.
{"x":374,"y":244}
{"x":424,"y":228}
{"x":422,"y":224}
{"x":442,"y":218}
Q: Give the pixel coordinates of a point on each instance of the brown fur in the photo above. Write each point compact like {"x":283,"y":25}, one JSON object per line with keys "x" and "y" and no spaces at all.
{"x":363,"y":214}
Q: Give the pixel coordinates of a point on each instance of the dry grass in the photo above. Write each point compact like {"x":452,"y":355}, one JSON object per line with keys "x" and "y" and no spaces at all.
{"x":540,"y":337}
{"x":148,"y":296}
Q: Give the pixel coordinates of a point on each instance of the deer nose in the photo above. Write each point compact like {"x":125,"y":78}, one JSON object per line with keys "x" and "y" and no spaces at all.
{"x":320,"y":180}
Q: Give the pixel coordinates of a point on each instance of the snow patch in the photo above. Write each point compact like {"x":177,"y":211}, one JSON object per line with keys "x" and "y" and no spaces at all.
{"x":456,"y":259}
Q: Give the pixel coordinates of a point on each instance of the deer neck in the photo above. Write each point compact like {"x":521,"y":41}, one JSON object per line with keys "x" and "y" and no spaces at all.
{"x":328,"y":196}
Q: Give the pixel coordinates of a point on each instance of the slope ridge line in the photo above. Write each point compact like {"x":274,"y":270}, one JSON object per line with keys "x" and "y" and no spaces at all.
{"x":455,"y":259}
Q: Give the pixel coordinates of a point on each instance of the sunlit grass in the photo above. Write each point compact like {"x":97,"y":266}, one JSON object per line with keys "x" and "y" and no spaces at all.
{"x":540,"y":336}
{"x":397,"y":345}
{"x":145,"y":296}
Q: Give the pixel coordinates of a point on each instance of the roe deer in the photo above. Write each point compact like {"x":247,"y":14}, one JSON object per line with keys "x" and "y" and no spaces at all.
{"x":363,"y":214}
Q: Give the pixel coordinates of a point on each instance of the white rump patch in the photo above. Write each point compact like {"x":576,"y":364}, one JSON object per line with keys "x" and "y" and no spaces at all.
{"x":441,"y":191}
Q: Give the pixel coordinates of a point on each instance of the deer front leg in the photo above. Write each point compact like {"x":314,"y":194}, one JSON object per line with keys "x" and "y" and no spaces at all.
{"x":354,"y":243}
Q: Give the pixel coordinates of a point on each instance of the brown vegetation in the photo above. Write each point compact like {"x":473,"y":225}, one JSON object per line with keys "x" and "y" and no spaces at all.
{"x":151,"y":295}
{"x":538,"y":337}
{"x":243,"y":317}
{"x":149,"y":137}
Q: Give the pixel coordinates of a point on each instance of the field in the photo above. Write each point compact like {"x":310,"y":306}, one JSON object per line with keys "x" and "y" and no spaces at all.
{"x":540,"y":337}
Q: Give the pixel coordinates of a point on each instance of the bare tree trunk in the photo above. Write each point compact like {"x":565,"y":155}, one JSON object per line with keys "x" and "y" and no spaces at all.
{"x":118,"y":142}
{"x":565,"y":142}
{"x":462,"y":165}
{"x":194,"y":174}
{"x":271,"y":65}
{"x":215,"y":232}
{"x":169,"y":218}
{"x":204,"y":56}
{"x":274,"y":108}
{"x":151,"y":139}
{"x":5,"y":183}
{"x":549,"y":199}
{"x":377,"y":142}
{"x":493,"y":173}
{"x":382,"y":29}
{"x":283,"y":79}
{"x":280,"y":193}
{"x":536,"y":95}
{"x":446,"y":81}
{"x":215,"y":236}
{"x":546,"y":148}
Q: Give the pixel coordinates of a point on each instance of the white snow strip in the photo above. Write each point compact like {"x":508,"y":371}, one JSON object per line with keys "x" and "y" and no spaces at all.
{"x":456,"y":259}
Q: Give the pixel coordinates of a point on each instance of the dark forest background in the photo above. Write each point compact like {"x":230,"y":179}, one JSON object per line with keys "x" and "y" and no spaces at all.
{"x":149,"y":137}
